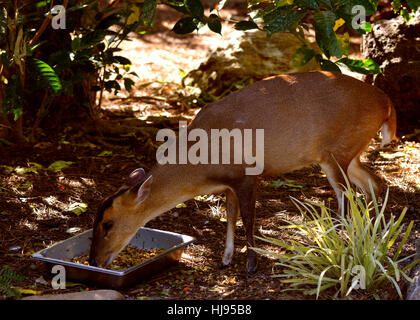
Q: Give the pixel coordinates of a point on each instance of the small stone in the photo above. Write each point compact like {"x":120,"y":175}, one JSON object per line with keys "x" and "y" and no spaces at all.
{"x":41,"y":280}
{"x":85,"y":295}
{"x":33,"y":267}
{"x":415,"y":295}
{"x":73,"y":230}
{"x":15,"y":248}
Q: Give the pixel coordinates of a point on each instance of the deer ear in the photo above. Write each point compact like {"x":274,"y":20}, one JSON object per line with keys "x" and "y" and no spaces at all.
{"x":135,"y":177}
{"x":144,"y":190}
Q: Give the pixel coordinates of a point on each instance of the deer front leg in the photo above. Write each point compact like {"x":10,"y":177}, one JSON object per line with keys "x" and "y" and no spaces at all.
{"x":232,"y":210}
{"x":245,"y":190}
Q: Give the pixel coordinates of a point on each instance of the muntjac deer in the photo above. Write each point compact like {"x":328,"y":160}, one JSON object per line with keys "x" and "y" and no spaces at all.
{"x":314,"y":117}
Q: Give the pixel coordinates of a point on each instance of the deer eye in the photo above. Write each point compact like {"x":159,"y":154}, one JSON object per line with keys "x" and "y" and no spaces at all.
{"x":106,"y":226}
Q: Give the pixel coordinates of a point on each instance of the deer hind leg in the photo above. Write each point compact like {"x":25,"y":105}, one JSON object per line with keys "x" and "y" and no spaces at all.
{"x":360,"y":176}
{"x":232,"y":209}
{"x":331,"y":167}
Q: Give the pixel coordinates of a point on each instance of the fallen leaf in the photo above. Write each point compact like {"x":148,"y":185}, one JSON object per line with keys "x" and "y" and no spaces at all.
{"x":286,"y":183}
{"x":32,"y":168}
{"x":43,"y":145}
{"x":8,"y":168}
{"x":29,"y":291}
{"x":105,"y":154}
{"x":181,"y":205}
{"x":25,"y":185}
{"x":391,"y":155}
{"x":88,"y":145}
{"x":73,"y":284}
{"x":59,"y":165}
{"x":78,"y":208}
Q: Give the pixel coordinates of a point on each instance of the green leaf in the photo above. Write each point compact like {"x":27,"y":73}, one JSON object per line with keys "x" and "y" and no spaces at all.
{"x":282,"y":3}
{"x":128,"y":84}
{"x":396,"y":5}
{"x":307,"y":4}
{"x":325,"y":35}
{"x":405,"y":14}
{"x":185,"y":25}
{"x":281,"y":19}
{"x":122,"y":60}
{"x":325,"y":2}
{"x":413,"y":4}
{"x":177,"y":5}
{"x":181,"y":205}
{"x":302,"y":56}
{"x":214,"y":24}
{"x":325,"y":20}
{"x":327,"y":65}
{"x":93,"y":38}
{"x":343,"y":41}
{"x":366,"y":26}
{"x":59,"y":165}
{"x":47,"y":74}
{"x":195,"y":8}
{"x":149,"y":10}
{"x":367,"y":66}
{"x":246,"y":25}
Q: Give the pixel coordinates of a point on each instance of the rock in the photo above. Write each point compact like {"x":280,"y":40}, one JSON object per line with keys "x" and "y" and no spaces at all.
{"x":246,"y":55}
{"x":394,"y":45}
{"x":85,"y":295}
{"x":415,"y":294}
{"x":413,"y":291}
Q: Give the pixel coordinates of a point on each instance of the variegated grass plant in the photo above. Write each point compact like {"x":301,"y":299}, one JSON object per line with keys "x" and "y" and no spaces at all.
{"x":357,"y":249}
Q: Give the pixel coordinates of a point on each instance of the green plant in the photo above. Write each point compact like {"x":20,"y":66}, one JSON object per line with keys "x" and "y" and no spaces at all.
{"x":325,"y":251}
{"x":41,"y":67}
{"x":7,"y":276}
{"x":295,"y":16}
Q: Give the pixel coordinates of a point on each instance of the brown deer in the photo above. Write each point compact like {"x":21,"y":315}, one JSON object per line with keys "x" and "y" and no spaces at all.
{"x":313,"y":117}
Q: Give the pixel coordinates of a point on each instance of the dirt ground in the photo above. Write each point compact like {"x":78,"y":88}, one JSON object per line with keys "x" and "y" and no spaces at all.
{"x":35,"y":205}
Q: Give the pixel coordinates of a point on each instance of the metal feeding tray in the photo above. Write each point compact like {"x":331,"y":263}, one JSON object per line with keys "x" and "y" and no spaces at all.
{"x":145,"y":238}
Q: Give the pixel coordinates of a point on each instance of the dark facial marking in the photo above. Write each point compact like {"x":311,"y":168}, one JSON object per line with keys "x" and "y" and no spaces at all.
{"x":107,"y":225}
{"x":107,"y":202}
